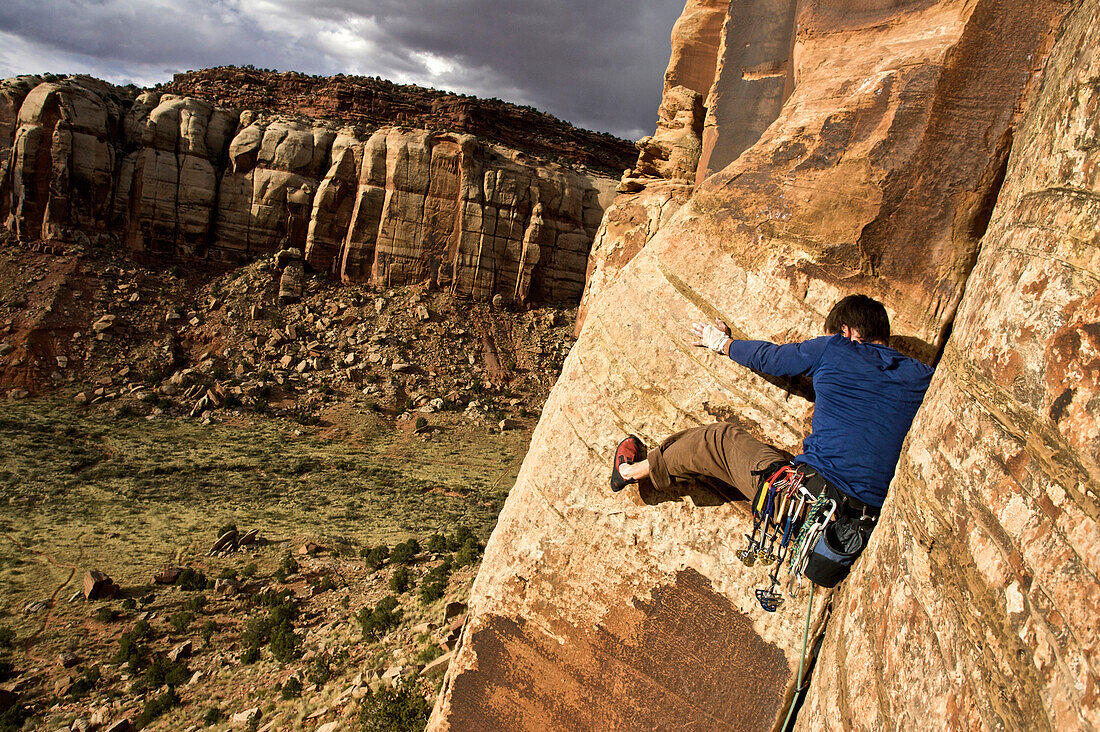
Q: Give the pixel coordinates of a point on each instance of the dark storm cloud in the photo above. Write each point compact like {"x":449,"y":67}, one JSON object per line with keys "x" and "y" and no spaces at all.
{"x":596,"y":63}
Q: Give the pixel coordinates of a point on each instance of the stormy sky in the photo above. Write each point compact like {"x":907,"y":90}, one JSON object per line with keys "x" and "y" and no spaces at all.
{"x":595,"y":63}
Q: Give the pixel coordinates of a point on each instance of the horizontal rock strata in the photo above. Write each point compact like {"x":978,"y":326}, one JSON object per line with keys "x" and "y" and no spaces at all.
{"x":877,"y":175}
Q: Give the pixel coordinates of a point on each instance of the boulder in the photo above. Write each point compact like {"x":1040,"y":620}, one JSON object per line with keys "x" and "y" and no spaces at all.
{"x":247,"y":717}
{"x":181,"y":651}
{"x":227,"y":586}
{"x":98,"y":586}
{"x":168,"y":576}
{"x":985,"y":561}
{"x":438,"y":667}
{"x":291,"y":282}
{"x":452,"y":611}
{"x":103,"y":323}
{"x":67,"y":659}
{"x":226,"y":542}
{"x":8,"y":699}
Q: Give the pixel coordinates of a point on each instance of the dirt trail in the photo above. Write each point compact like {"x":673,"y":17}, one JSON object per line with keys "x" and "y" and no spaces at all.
{"x":73,"y":569}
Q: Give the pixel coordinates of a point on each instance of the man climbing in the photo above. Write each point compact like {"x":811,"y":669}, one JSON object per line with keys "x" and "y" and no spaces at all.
{"x":866,"y":397}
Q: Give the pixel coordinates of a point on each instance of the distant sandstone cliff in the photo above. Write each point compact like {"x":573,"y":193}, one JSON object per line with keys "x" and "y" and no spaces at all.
{"x":176,"y":177}
{"x":941,"y":156}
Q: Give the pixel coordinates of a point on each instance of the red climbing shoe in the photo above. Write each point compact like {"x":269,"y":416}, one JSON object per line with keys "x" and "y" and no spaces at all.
{"x":630,"y":450}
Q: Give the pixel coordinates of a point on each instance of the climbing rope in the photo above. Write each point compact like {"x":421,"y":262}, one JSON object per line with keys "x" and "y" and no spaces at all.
{"x":801,"y":661}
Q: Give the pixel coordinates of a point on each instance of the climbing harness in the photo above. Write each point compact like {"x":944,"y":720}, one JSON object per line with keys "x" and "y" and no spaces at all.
{"x":801,"y":520}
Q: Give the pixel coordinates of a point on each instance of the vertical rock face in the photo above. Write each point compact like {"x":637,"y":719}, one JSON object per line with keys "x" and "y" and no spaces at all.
{"x":62,"y":159}
{"x":175,"y":177}
{"x":470,"y":217}
{"x":167,"y":184}
{"x":696,"y":37}
{"x":754,"y":75}
{"x":977,"y":604}
{"x":878,"y":175}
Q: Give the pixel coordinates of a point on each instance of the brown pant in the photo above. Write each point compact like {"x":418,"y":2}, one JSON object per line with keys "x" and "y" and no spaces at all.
{"x":719,"y":451}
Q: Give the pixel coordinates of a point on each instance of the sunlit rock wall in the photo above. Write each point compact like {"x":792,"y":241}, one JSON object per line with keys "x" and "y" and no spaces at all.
{"x":977,"y":605}
{"x":595,"y":610}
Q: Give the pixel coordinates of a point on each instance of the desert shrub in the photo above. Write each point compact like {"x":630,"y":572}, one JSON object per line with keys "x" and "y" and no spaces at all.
{"x":191,"y":580}
{"x":434,"y":583}
{"x":285,"y":644}
{"x":213,"y":716}
{"x":401,"y":709}
{"x":292,"y":689}
{"x":276,"y":628}
{"x":385,"y":615}
{"x":323,"y":583}
{"x":14,"y":717}
{"x":320,"y":670}
{"x":403,"y":553}
{"x":163,"y":672}
{"x":249,"y":570}
{"x":421,"y":423}
{"x":85,"y":682}
{"x":437,"y":544}
{"x":7,"y":637}
{"x":131,"y":650}
{"x":157,"y":706}
{"x":376,"y":556}
{"x":181,"y":621}
{"x":227,"y":573}
{"x":399,"y":582}
{"x":129,"y":604}
{"x":468,"y":554}
{"x":106,"y":614}
{"x":287,"y":567}
{"x":459,"y":537}
{"x":256,"y":632}
{"x":429,"y":653}
{"x":195,"y":603}
{"x":209,"y":628}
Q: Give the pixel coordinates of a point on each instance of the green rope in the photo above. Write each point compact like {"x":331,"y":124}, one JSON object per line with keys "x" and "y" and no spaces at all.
{"x":802,"y":660}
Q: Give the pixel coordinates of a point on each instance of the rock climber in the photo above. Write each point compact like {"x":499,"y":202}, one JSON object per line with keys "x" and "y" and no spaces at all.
{"x":866,"y":396}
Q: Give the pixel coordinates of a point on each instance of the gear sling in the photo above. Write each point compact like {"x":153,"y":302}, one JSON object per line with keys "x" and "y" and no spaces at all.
{"x":800,"y":517}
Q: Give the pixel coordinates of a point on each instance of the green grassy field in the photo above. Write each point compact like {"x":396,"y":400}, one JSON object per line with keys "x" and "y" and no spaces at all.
{"x":127,"y":495}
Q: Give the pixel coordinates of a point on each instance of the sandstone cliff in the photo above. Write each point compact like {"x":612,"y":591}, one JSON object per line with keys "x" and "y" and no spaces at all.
{"x":874,"y":143}
{"x":179,"y":178}
{"x":977,"y":604}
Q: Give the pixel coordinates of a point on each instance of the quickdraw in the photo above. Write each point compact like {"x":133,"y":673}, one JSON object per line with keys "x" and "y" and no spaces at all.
{"x":783,"y":528}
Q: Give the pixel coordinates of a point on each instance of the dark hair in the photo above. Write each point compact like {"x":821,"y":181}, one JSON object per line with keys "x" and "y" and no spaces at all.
{"x":860,"y":313}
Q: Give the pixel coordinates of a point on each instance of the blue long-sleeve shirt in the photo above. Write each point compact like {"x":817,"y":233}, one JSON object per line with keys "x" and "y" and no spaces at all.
{"x":866,"y":398}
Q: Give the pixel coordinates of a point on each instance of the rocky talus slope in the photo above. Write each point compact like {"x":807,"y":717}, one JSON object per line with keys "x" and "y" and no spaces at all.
{"x":875,"y":143}
{"x":172,"y":177}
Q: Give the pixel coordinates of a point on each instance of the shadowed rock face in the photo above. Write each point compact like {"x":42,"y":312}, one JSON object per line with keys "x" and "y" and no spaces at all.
{"x":175,"y":177}
{"x":977,"y":604}
{"x":877,"y":175}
